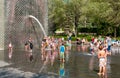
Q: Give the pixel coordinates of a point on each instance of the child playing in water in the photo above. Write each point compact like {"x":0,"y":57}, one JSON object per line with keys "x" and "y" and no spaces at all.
{"x":62,"y":51}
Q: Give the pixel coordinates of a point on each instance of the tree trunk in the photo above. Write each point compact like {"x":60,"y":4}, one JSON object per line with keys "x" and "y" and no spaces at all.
{"x":115,"y":32}
{"x":76,"y":25}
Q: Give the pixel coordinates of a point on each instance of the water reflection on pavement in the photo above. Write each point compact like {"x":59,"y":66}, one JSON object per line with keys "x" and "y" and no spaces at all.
{"x":78,"y":64}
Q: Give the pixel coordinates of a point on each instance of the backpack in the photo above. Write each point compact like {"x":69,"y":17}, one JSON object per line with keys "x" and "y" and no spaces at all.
{"x":31,"y":45}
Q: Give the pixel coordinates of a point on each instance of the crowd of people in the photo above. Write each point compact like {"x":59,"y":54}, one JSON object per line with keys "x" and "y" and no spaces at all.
{"x":52,"y":48}
{"x":102,"y":48}
{"x":96,"y":42}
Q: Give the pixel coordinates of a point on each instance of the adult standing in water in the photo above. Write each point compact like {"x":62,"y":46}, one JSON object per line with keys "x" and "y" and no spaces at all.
{"x":109,"y":44}
{"x":30,"y":49}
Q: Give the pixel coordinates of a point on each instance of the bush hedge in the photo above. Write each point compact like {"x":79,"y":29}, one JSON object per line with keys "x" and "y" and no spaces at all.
{"x":88,"y":37}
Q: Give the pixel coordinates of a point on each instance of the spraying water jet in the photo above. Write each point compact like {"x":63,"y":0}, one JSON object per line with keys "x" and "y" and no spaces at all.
{"x":41,"y":26}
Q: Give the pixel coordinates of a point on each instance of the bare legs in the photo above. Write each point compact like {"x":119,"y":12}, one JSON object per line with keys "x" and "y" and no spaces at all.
{"x":10,"y":52}
{"x":102,"y":70}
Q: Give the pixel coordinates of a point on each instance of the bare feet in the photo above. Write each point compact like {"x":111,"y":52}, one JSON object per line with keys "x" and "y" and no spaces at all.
{"x":103,"y":74}
{"x":99,"y":73}
{"x":63,"y":61}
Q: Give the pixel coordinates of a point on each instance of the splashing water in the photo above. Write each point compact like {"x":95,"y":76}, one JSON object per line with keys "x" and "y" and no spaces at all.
{"x":41,"y":26}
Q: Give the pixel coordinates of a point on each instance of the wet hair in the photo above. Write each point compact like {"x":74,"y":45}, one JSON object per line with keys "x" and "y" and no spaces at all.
{"x":44,"y":40}
{"x":26,"y":43}
{"x":100,"y":47}
{"x":62,"y":43}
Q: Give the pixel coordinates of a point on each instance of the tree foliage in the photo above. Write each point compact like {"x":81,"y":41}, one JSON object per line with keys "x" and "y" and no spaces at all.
{"x":104,"y":14}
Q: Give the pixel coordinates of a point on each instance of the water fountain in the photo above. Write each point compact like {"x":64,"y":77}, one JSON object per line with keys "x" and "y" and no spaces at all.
{"x":41,"y":26}
{"x":16,"y":12}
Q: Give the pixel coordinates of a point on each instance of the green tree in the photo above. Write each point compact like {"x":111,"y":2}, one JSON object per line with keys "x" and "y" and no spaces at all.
{"x":114,"y":16}
{"x":56,"y":13}
{"x":104,"y":14}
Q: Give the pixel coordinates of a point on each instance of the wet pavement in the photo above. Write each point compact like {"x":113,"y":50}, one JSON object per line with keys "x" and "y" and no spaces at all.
{"x":79,"y":64}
